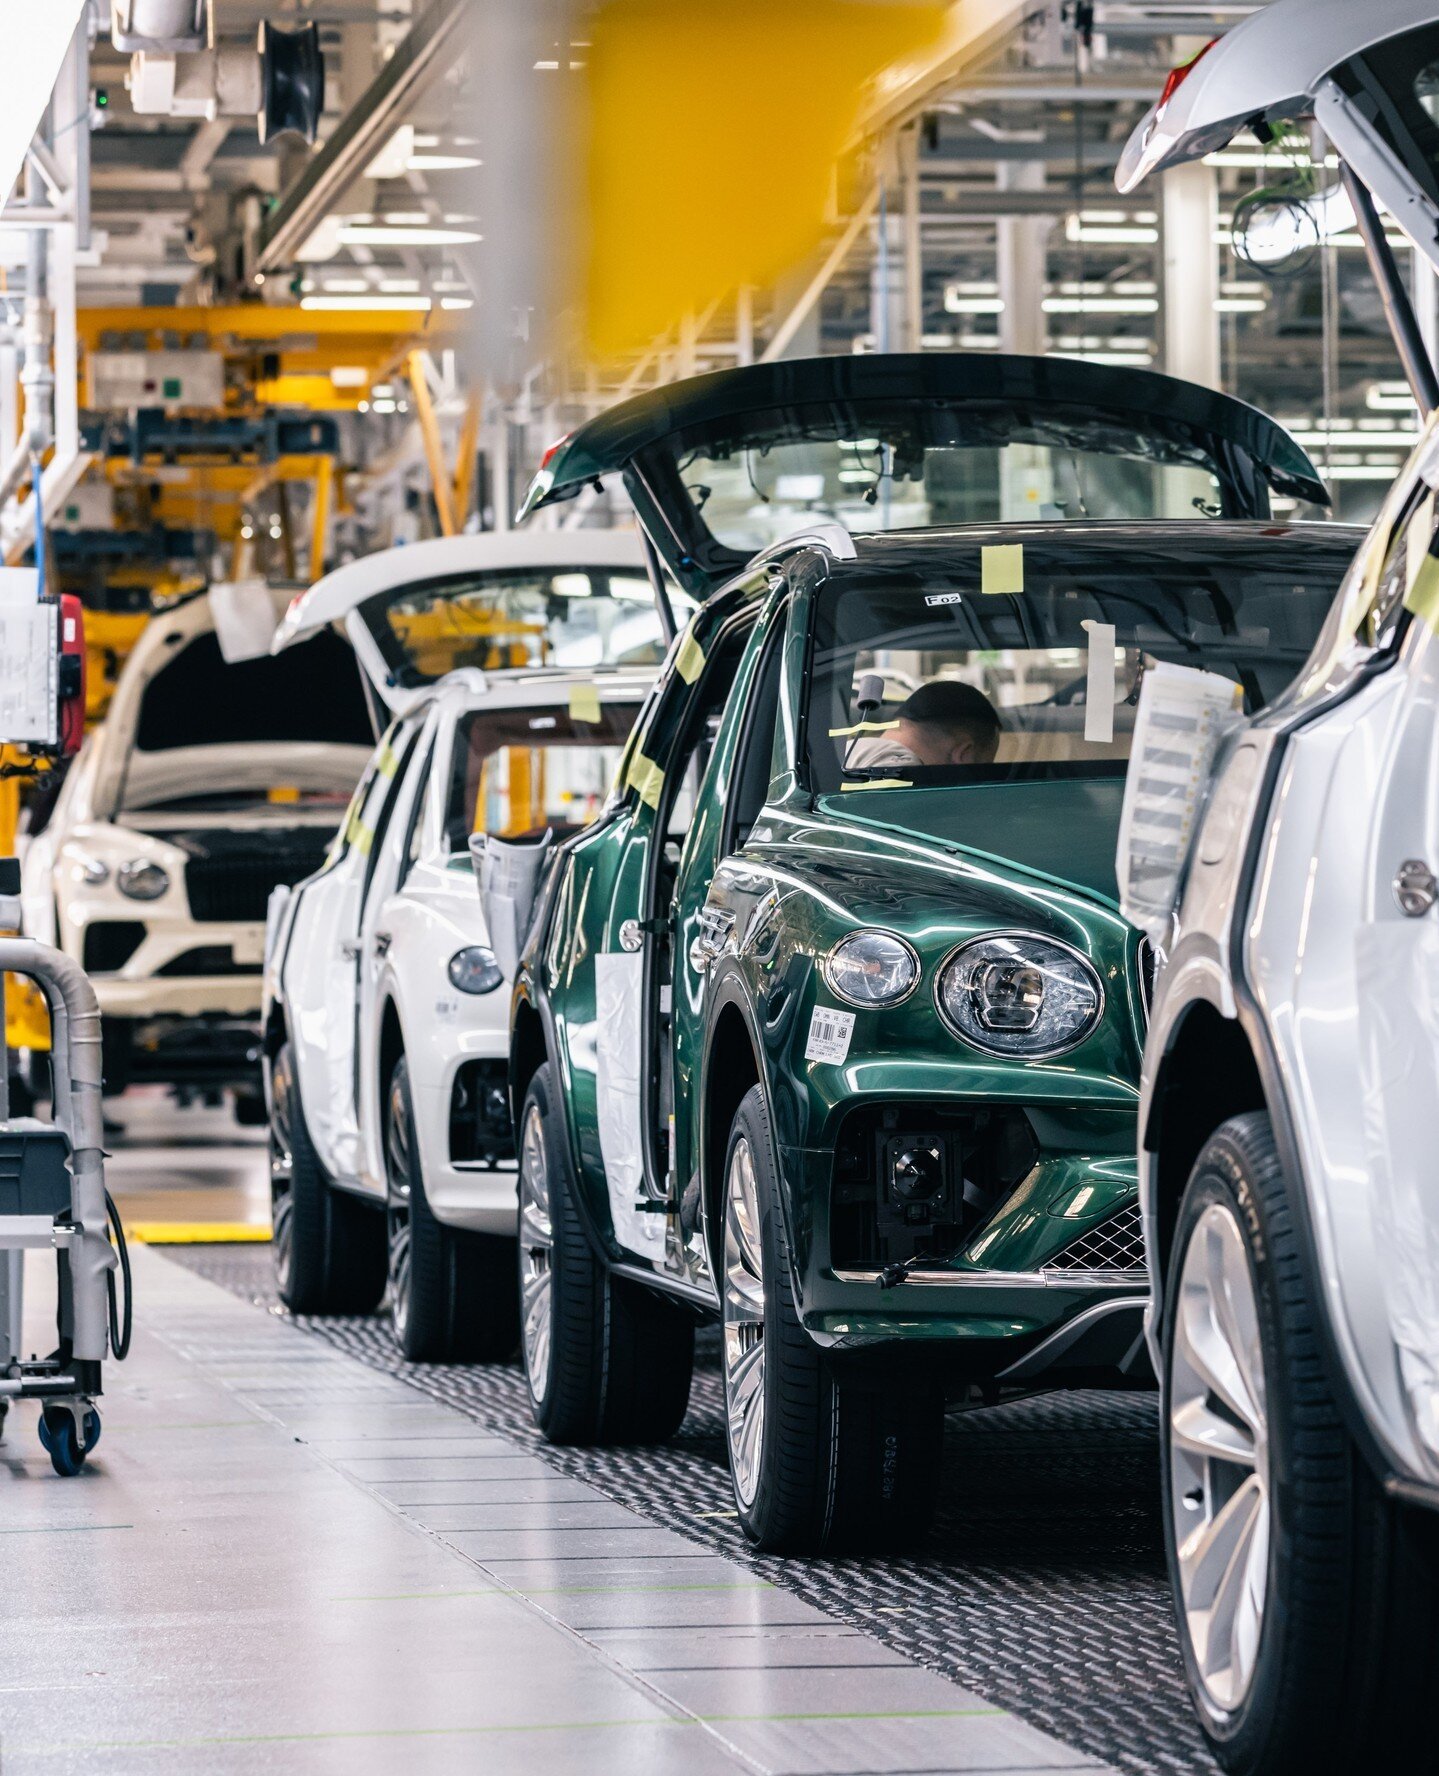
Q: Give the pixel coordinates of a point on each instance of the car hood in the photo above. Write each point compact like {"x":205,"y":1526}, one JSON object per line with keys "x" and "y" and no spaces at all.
{"x":1047,"y":860}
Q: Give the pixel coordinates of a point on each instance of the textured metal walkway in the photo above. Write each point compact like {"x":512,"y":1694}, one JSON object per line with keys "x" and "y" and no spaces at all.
{"x":1042,"y":1586}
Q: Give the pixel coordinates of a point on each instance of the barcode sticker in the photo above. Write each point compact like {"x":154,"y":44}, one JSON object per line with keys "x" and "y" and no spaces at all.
{"x":829,"y":1034}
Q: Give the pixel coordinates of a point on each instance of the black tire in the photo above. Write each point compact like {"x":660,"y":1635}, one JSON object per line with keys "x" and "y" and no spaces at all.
{"x":454,"y":1294}
{"x":618,"y":1357}
{"x":1347,"y":1644}
{"x":328,"y":1246}
{"x":847,"y":1462}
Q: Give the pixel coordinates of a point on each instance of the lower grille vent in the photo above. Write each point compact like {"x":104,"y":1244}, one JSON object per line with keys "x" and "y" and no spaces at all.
{"x":1116,"y":1244}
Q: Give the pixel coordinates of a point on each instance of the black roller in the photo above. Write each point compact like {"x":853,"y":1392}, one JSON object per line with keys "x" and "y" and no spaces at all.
{"x":292,"y":81}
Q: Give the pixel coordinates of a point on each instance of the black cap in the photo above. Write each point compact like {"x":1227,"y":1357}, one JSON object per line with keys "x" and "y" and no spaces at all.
{"x":949,"y":703}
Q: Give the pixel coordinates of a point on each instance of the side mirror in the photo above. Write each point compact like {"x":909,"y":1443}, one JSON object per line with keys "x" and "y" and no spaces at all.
{"x":509,"y":872}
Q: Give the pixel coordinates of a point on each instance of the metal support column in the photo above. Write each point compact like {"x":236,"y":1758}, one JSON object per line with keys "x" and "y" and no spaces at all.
{"x":1022,"y":263}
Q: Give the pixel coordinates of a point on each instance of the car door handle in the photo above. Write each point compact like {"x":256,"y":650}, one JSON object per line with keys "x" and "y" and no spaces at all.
{"x":715,"y":926}
{"x":383,"y":940}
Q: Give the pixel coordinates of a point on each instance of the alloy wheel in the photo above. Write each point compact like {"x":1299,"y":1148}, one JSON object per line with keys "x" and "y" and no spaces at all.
{"x":1219,"y":1458}
{"x":743,"y":1323}
{"x":400,"y":1177}
{"x":537,"y":1248}
{"x":282,"y":1172}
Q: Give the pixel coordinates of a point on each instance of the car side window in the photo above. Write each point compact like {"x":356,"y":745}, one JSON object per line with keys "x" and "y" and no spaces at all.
{"x":387,"y":798}
{"x":754,"y":760}
{"x":419,"y":814}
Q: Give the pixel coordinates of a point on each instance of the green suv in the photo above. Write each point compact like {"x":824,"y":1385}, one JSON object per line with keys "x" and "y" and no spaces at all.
{"x":829,"y":1028}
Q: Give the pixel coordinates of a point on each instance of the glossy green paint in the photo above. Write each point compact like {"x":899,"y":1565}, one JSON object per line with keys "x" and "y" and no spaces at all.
{"x":1035,"y":857}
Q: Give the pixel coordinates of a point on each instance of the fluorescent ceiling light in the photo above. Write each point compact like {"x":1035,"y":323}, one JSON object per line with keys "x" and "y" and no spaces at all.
{"x":349,"y":376}
{"x":1117,"y":305}
{"x":395,"y":156}
{"x":1240,"y":305}
{"x":1108,"y":235}
{"x":442,"y":163}
{"x":972,"y":305}
{"x":345,"y":286}
{"x":457,"y":302}
{"x":360,"y":304}
{"x":400,"y":286}
{"x":405,"y":234}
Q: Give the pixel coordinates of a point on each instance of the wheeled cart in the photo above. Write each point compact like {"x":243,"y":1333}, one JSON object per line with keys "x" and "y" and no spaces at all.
{"x":53,"y":1197}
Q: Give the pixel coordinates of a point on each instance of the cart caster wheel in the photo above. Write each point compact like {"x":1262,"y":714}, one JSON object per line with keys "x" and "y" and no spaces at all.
{"x":58,"y":1438}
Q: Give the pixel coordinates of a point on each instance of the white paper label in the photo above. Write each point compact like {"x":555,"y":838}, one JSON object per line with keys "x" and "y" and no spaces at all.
{"x":829,"y":1034}
{"x":1099,"y":690}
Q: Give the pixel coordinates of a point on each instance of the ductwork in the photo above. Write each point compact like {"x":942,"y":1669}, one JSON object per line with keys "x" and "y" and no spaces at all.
{"x":167,"y":27}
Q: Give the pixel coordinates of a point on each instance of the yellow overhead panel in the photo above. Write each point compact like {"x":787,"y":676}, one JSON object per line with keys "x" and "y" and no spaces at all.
{"x":782,"y":91}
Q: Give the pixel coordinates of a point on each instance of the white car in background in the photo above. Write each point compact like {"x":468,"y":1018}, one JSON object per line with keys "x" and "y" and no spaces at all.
{"x":218,"y":773}
{"x":387,"y":1016}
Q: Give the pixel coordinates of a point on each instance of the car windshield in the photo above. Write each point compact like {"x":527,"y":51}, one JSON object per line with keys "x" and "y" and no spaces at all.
{"x":933,"y":680}
{"x":517,"y":771}
{"x":757,"y":497}
{"x":566,"y":617}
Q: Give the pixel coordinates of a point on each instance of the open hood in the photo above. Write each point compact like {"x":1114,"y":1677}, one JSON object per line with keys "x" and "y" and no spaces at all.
{"x":722,"y":465}
{"x":496,"y":600}
{"x":1368,"y":73}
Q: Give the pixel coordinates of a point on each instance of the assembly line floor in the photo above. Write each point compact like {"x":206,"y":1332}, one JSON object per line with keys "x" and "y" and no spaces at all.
{"x":294,"y":1552}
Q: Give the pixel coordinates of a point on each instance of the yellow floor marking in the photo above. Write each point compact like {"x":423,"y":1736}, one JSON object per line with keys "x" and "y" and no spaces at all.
{"x":194,"y":1233}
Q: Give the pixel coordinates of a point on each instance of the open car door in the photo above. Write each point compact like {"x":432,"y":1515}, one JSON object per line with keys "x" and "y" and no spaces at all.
{"x":572,"y":598}
{"x":722,"y":466}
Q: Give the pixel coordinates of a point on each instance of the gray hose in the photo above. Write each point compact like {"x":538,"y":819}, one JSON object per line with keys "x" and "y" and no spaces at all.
{"x":75,"y":1071}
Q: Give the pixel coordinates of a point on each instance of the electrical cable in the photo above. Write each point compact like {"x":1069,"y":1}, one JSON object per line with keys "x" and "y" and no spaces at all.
{"x":120,"y":1327}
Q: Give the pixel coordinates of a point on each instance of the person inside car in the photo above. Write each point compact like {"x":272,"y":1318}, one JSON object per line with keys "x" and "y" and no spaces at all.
{"x":945,"y":722}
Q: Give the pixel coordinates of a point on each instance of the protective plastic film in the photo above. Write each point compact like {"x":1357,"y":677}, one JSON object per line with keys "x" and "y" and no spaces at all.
{"x":619,"y":989}
{"x":509,"y":876}
{"x":1181,"y":717}
{"x":1398,"y":999}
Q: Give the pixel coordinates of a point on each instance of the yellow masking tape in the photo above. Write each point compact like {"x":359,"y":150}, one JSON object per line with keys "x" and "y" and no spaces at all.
{"x":387,"y":764}
{"x":690,"y":660}
{"x":863,"y":728}
{"x":880,"y":783}
{"x":646,"y":777}
{"x":584,"y":703}
{"x":1423,"y":595}
{"x":1001,"y":567}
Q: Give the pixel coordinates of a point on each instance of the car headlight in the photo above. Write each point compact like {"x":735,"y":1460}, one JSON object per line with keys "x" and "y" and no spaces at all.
{"x":475,"y":970}
{"x":142,"y":880}
{"x":94,"y":871}
{"x":1019,"y":995}
{"x":871,"y":968}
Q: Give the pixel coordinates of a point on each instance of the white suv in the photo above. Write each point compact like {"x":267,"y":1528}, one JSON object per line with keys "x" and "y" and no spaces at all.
{"x":218,"y":773}
{"x":1291,"y":1077}
{"x":387,"y":1011}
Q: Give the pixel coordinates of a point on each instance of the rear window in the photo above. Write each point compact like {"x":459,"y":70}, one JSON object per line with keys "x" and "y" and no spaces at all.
{"x":565,"y":617}
{"x":933,"y":682}
{"x":311,"y":692}
{"x":517,"y":771}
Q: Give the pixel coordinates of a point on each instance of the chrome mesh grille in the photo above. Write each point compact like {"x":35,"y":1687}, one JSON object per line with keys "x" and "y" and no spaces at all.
{"x":1116,"y":1244}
